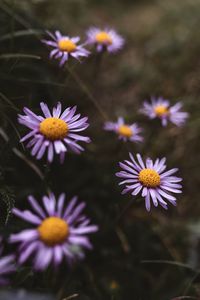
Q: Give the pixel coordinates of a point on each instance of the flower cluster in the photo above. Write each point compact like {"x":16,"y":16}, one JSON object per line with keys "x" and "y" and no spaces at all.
{"x":59,"y":230}
{"x":65,"y":47}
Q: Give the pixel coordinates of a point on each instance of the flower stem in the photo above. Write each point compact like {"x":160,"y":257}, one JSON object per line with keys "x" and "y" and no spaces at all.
{"x":87,"y":92}
{"x":125,"y":209}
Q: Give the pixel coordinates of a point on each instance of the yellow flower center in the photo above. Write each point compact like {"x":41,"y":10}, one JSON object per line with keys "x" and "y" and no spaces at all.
{"x":149,"y":178}
{"x":125,"y":130}
{"x":103,"y":38}
{"x":53,"y":230}
{"x":161,"y":110}
{"x":66,"y":45}
{"x":53,"y":128}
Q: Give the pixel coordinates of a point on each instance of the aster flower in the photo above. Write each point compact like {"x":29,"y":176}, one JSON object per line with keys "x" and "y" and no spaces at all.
{"x":6,"y":265}
{"x":160,"y":108}
{"x":55,"y":132}
{"x":150,"y":179}
{"x":60,"y":232}
{"x":104,"y":39}
{"x":125,"y":131}
{"x":65,"y":47}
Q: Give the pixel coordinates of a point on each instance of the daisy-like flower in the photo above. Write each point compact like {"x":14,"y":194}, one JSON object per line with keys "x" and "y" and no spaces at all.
{"x":65,"y":47}
{"x":160,"y":108}
{"x":60,"y":232}
{"x":55,"y":132}
{"x":125,"y":131}
{"x":6,"y":265}
{"x":104,"y":39}
{"x":151,"y":180}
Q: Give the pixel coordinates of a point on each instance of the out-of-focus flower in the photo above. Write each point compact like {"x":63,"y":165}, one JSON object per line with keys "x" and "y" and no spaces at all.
{"x":149,"y":179}
{"x":105,"y":39}
{"x":55,"y":132}
{"x":65,"y":47}
{"x":6,"y":265}
{"x":160,"y":108}
{"x":125,"y":131}
{"x":60,"y":232}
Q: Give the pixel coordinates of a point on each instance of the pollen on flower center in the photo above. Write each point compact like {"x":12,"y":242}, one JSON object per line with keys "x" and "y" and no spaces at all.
{"x":103,"y":38}
{"x":66,"y":45}
{"x":125,"y":130}
{"x":149,"y":178}
{"x":53,"y":230}
{"x":53,"y":128}
{"x":161,"y":110}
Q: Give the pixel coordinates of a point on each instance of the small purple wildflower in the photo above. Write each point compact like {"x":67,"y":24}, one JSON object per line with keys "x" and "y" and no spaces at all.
{"x":125,"y":131}
{"x":60,"y":232}
{"x":65,"y":47}
{"x":105,"y":39}
{"x":149,"y":179}
{"x":160,"y":108}
{"x":55,"y":132}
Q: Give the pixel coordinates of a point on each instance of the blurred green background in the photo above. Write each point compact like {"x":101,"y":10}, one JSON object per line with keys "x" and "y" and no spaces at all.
{"x":141,"y":256}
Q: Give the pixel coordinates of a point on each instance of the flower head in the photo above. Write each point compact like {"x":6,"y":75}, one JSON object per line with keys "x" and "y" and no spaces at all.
{"x":55,"y":132}
{"x":60,"y":232}
{"x":104,"y":39}
{"x":150,"y":179}
{"x":65,"y":47}
{"x":125,"y":131}
{"x":6,"y":266}
{"x":160,"y":108}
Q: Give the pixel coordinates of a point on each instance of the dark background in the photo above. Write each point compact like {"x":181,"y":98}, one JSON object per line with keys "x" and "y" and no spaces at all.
{"x":141,"y":256}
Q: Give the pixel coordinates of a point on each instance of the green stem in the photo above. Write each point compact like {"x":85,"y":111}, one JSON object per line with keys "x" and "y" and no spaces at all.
{"x":125,"y":209}
{"x":87,"y":92}
{"x":98,"y":65}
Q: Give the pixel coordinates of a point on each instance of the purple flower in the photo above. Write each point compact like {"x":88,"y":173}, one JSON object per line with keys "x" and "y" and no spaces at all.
{"x":55,"y":132}
{"x":160,"y":108}
{"x":6,"y":266}
{"x":60,"y":232}
{"x":104,"y":39}
{"x":65,"y":47}
{"x":125,"y":131}
{"x":149,"y":179}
